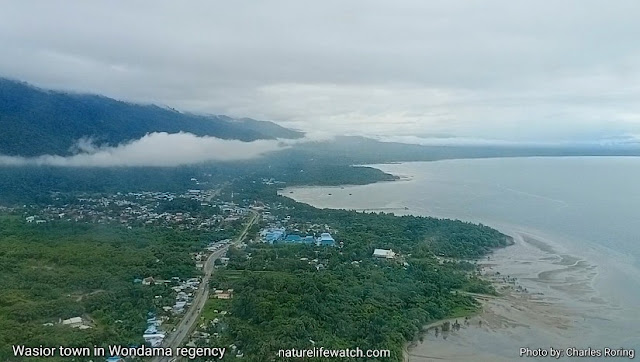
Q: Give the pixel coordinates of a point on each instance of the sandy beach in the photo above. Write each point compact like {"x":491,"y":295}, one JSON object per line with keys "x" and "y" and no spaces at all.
{"x":546,"y":299}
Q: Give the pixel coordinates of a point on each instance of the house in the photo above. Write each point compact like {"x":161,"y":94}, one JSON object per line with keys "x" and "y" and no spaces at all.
{"x":114,"y":359}
{"x":74,"y":322}
{"x":154,"y":339}
{"x":151,"y":330}
{"x":182,"y":296}
{"x":148,"y":281}
{"x":221,"y":294}
{"x":326,"y":239}
{"x":179,"y":307}
{"x":384,"y":253}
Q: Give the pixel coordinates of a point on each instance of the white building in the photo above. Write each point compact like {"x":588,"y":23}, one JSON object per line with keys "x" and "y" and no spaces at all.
{"x":75,"y":322}
{"x":154,"y":339}
{"x":384,"y":253}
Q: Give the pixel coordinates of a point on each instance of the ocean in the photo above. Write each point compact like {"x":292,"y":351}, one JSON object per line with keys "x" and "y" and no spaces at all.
{"x":582,"y":214}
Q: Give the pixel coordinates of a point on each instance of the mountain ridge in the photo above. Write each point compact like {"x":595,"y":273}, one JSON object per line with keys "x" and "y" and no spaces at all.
{"x":36,"y":121}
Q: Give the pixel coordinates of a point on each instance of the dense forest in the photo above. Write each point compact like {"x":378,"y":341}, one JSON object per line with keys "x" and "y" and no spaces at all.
{"x":61,"y":270}
{"x":36,"y":121}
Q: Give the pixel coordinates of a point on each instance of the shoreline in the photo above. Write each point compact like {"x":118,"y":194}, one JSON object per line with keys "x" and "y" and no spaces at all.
{"x":532,"y":302}
{"x":475,"y":318}
{"x":518,"y":306}
{"x":580,"y":293}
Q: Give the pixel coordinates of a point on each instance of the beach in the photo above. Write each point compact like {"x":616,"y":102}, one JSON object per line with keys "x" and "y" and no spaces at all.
{"x":531,"y":309}
{"x":573,"y":270}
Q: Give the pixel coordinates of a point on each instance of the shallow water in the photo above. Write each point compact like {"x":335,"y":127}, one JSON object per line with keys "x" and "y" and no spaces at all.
{"x":576,"y":222}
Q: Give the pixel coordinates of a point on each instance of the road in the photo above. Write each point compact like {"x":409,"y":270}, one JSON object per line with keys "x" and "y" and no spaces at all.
{"x":201,"y":296}
{"x":217,"y":192}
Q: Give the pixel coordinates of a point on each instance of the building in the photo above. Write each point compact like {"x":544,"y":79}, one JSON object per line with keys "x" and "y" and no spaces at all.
{"x":152,"y":335}
{"x":179,"y":307}
{"x":148,"y":281}
{"x":151,"y":329}
{"x":272,"y":235}
{"x":326,"y":239}
{"x":155,"y":339}
{"x":182,"y":296}
{"x":74,"y":322}
{"x":293,"y":238}
{"x":384,"y":253}
{"x":221,"y":294}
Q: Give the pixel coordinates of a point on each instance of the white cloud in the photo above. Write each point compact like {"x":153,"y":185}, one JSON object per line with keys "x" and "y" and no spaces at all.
{"x":155,"y":149}
{"x":517,"y":71}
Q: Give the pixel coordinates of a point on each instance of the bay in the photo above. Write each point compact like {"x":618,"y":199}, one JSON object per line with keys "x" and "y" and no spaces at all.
{"x":579,"y":216}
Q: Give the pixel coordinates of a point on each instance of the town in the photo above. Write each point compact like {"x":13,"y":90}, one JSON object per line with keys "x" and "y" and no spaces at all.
{"x":195,"y":210}
{"x":201,"y":257}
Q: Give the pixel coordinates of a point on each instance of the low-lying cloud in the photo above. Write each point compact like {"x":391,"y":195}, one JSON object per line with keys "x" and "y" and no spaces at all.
{"x":158,"y":149}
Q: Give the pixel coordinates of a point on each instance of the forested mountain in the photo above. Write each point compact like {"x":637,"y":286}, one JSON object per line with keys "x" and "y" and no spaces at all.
{"x":268,"y":129}
{"x":34,"y":121}
{"x":362,"y":150}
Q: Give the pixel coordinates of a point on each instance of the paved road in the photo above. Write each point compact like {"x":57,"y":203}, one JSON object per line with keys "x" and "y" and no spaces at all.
{"x":175,"y":339}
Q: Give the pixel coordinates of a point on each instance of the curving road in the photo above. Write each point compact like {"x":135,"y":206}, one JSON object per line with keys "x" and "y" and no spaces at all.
{"x":175,"y":339}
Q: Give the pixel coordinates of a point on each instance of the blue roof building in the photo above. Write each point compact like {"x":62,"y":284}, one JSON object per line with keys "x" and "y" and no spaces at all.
{"x":151,"y":329}
{"x":326,"y":239}
{"x":293,"y":238}
{"x":273,"y":235}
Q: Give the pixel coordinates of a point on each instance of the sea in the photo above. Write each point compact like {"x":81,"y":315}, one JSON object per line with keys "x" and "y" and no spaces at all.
{"x":581,"y":214}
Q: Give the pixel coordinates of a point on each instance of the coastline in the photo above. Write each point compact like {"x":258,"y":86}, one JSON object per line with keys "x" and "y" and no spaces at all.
{"x":529,"y":262}
{"x":486,"y":335}
{"x":579,"y":294}
{"x":475,"y":318}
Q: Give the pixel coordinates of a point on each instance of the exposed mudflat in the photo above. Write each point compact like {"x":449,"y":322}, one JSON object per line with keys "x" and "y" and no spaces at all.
{"x":547,"y":299}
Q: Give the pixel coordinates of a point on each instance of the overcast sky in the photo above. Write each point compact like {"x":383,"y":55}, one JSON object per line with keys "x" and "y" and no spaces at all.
{"x":509,"y":71}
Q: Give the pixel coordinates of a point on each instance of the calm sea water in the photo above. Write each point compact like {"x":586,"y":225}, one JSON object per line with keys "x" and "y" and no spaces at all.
{"x":594,"y":199}
{"x":586,"y":206}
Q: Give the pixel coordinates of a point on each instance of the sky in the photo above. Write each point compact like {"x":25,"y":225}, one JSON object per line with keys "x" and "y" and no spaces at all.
{"x":481,"y":72}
